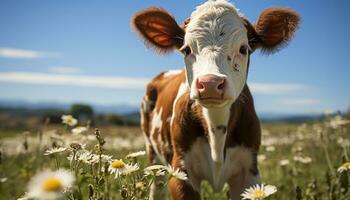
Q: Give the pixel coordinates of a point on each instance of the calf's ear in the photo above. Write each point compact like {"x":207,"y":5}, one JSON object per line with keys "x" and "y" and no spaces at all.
{"x":273,"y":30}
{"x":159,"y":29}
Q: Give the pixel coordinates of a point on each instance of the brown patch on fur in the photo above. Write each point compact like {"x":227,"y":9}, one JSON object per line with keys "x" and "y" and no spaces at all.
{"x":166,"y":90}
{"x":274,"y":29}
{"x":158,"y":29}
{"x":182,"y":190}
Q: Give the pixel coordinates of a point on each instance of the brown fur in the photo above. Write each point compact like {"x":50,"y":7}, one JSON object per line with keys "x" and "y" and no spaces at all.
{"x":276,"y":27}
{"x":159,"y":29}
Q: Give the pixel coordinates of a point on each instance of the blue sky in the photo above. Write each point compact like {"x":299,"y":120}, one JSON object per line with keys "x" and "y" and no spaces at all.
{"x":85,"y":51}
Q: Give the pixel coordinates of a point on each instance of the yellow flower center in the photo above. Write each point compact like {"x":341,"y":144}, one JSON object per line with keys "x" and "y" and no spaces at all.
{"x":118,"y":164}
{"x":346,"y":165}
{"x":259,"y":194}
{"x":52,"y":185}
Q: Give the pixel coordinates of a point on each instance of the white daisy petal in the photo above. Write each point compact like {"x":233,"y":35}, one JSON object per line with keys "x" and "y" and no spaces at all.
{"x":136,"y":154}
{"x":344,"y":167}
{"x":69,"y":120}
{"x":55,"y":150}
{"x":258,"y":192}
{"x":50,"y":184}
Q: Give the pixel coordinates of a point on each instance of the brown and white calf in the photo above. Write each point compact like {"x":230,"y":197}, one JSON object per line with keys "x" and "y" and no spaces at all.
{"x":202,"y":119}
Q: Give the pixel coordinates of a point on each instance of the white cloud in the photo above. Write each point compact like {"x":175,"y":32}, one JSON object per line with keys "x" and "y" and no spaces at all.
{"x":64,"y":70}
{"x":74,"y":80}
{"x":24,"y":54}
{"x":119,"y":82}
{"x":275,"y":88}
{"x":299,"y":101}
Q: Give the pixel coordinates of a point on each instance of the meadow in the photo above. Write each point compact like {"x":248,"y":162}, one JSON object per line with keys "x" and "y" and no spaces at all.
{"x":303,"y":161}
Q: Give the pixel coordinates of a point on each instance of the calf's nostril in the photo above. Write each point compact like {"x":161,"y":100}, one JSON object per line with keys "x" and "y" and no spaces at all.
{"x":200,"y":85}
{"x":221,"y":86}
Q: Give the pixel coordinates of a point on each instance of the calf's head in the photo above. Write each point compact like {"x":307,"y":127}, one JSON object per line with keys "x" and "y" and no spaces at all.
{"x":216,"y":42}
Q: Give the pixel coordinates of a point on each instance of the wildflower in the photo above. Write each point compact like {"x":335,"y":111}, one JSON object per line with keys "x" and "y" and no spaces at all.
{"x":176,"y":173}
{"x":284,"y":162}
{"x":55,"y":150}
{"x":338,"y":121}
{"x":50,"y":184}
{"x":344,"y":142}
{"x":270,"y":148}
{"x":104,"y":158}
{"x":344,"y":167}
{"x":136,"y":154}
{"x":140,"y":185}
{"x":79,"y":130}
{"x":131,"y":168}
{"x":85,"y":156}
{"x":69,"y":120}
{"x":24,"y":197}
{"x":3,"y":180}
{"x":261,"y":157}
{"x":304,"y":160}
{"x":155,"y":170}
{"x":298,"y":149}
{"x":76,"y":146}
{"x":119,"y":167}
{"x":258,"y":192}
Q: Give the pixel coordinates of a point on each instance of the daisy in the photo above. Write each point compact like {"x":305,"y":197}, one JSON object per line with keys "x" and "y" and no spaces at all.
{"x":338,"y":121}
{"x":284,"y":162}
{"x":79,"y":130}
{"x":104,"y":158}
{"x":258,"y":192}
{"x":136,"y":154}
{"x":55,"y":150}
{"x":270,"y":148}
{"x":85,"y":156}
{"x":131,"y":168}
{"x":119,"y":167}
{"x":155,"y":170}
{"x":176,"y":173}
{"x":3,"y":180}
{"x":261,"y":157}
{"x":304,"y":160}
{"x":69,"y":120}
{"x":24,"y":197}
{"x":50,"y":184}
{"x":344,"y":167}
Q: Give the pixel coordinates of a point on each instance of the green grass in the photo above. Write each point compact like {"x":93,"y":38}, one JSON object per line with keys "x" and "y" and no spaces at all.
{"x":8,"y":133}
{"x":327,"y":147}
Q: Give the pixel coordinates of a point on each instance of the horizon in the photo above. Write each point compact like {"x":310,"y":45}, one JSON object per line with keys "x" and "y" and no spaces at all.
{"x":66,"y":53}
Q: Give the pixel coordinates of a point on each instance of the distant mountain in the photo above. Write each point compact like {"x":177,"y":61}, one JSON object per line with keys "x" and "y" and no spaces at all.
{"x":289,"y":117}
{"x":131,"y":111}
{"x":116,"y":109}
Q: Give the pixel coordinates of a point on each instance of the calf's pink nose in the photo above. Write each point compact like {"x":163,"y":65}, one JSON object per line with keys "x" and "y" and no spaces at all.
{"x":211,"y":86}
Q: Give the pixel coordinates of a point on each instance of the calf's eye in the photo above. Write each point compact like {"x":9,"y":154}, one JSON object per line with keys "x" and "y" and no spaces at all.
{"x":243,"y":50}
{"x":186,"y":51}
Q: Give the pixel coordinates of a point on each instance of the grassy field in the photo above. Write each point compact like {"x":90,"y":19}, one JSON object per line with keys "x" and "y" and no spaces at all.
{"x":301,"y":160}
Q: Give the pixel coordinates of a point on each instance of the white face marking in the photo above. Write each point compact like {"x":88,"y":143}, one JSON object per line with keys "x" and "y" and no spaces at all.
{"x":215,"y":35}
{"x":200,"y":166}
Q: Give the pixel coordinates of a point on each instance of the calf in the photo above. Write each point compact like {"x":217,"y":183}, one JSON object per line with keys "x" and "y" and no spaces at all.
{"x":202,"y":119}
